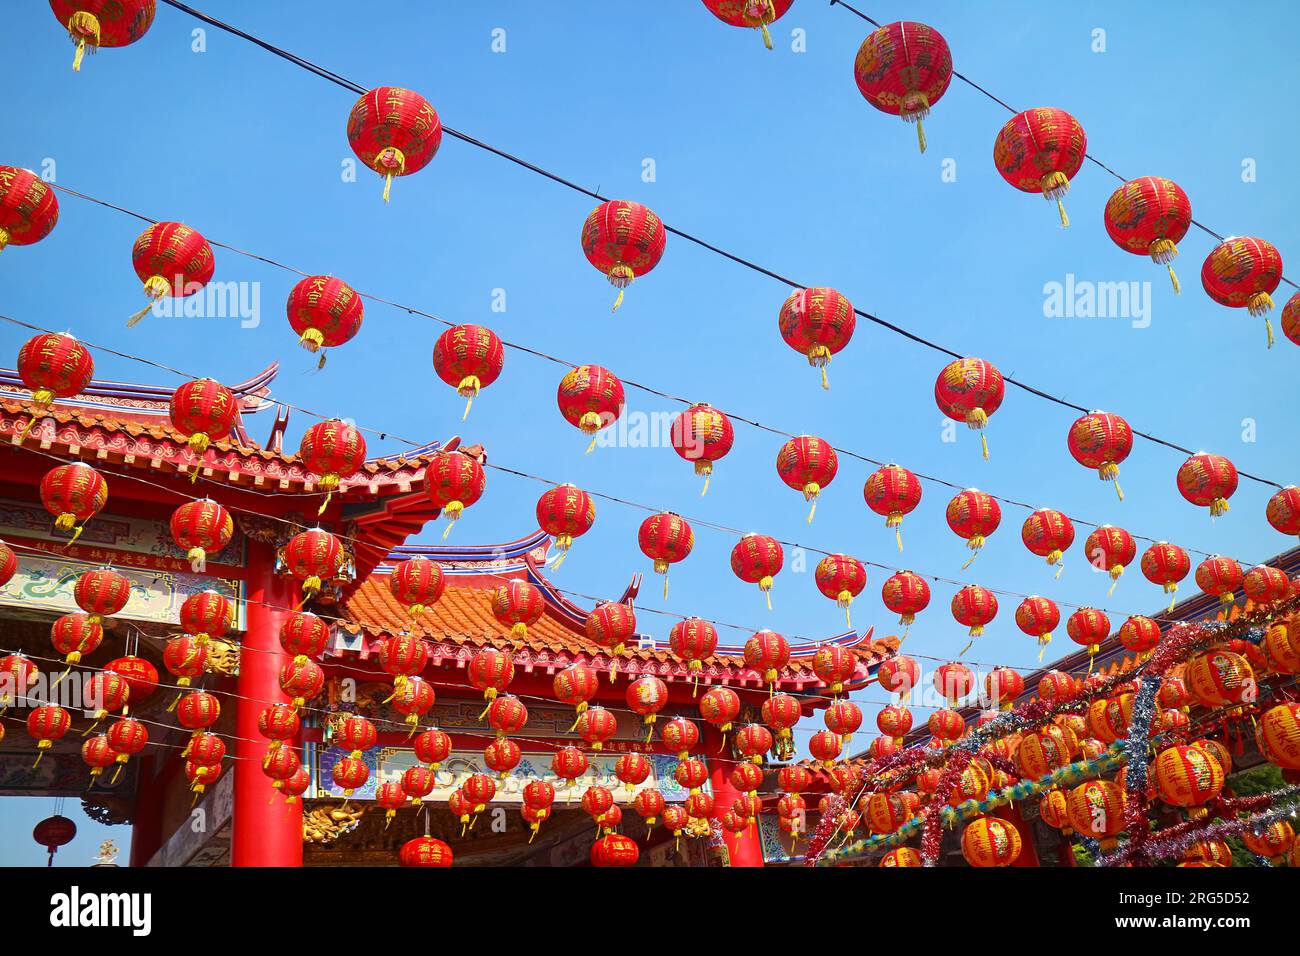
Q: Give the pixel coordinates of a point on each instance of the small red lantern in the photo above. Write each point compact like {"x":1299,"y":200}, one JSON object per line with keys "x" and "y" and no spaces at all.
{"x":1038,"y":617}
{"x":432,"y":747}
{"x":650,"y":804}
{"x":413,"y":698}
{"x":1166,"y":564}
{"x":95,"y":24}
{"x":720,"y":706}
{"x":206,"y":615}
{"x":632,"y":769}
{"x":1048,"y":533}
{"x":29,"y":209}
{"x":280,"y":766}
{"x":1110,"y":549}
{"x":903,"y":69}
{"x":841,"y":578}
{"x":516,"y":605}
{"x":502,"y":756}
{"x":171,"y":259}
{"x":101,"y":593}
{"x":612,"y":624}
{"x":569,"y":764}
{"x":1243,"y":272}
{"x":970,"y":390}
{"x":403,"y":656}
{"x":480,"y":789}
{"x":491,"y":671}
{"x":74,"y":635}
{"x":1265,"y":584}
{"x":596,"y":802}
{"x":8,"y":564}
{"x":946,"y":725}
{"x":538,"y":794}
{"x":73,"y":493}
{"x":128,"y":737}
{"x":332,"y":449}
{"x":1040,"y":151}
{"x":817,"y":323}
{"x":453,"y":481}
{"x":394,"y":131}
{"x":892,"y":492}
{"x":898,"y":675}
{"x":1089,"y":628}
{"x":781,"y":712}
{"x":768,"y":652}
{"x":18,"y":674}
{"x":756,"y":14}
{"x":201,"y":527}
{"x":905,"y":593}
{"x":350,"y":774}
{"x":794,"y":779}
{"x":51,"y":365}
{"x":1003,"y":685}
{"x":565,"y":512}
{"x":757,"y":559}
{"x":1208,"y":481}
{"x":882,"y":748}
{"x":204,"y":411}
{"x":974,"y":607}
{"x":754,"y":741}
{"x":973,"y":515}
{"x":834,"y":665}
{"x":325,"y":312}
{"x":468,"y":358}
{"x":1149,"y":217}
{"x":46,"y":724}
{"x":1283,"y":511}
{"x":665,"y":538}
{"x":278,"y":723}
{"x":807,"y":464}
{"x":575,"y":685}
{"x":1101,"y":440}
{"x":694,"y":640}
{"x":590,"y":398}
{"x":106,"y":692}
{"x":681,"y":735}
{"x":702,"y":435}
{"x":507,"y":715}
{"x":953,"y":681}
{"x":417,"y":583}
{"x":304,"y":635}
{"x":746,"y":777}
{"x":97,"y":755}
{"x":1139,"y":634}
{"x":623,"y":239}
{"x":843,"y":717}
{"x":390,"y":796}
{"x":314,"y":557}
{"x":302,"y":680}
{"x":198,"y":710}
{"x":894,"y":721}
{"x":825,"y":747}
{"x":647,"y":696}
{"x":1219,"y":576}
{"x":54,"y":832}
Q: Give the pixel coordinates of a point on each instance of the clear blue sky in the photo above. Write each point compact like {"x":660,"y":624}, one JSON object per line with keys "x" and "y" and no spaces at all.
{"x":773,"y":155}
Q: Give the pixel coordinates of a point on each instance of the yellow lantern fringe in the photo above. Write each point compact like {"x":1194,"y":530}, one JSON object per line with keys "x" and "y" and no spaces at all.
{"x":83,"y":27}
{"x":393,"y":153}
{"x":620,"y":277}
{"x":1055,"y":185}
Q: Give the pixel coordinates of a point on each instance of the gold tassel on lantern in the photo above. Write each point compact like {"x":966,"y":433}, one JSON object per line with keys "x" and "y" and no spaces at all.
{"x":83,"y":28}
{"x":155,"y":287}
{"x":916,"y":107}
{"x":895,"y":521}
{"x":1054,"y":186}
{"x":394,"y":162}
{"x":453,"y":512}
{"x":1164,"y":252}
{"x":590,"y":424}
{"x":705,"y":468}
{"x":468,"y":389}
{"x":1109,"y":471}
{"x":818,"y":357}
{"x":810,"y":493}
{"x":977,"y":418}
{"x":975,"y":542}
{"x":620,"y":277}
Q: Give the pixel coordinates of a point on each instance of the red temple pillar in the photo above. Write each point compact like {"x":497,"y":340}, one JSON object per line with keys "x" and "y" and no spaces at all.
{"x":266,"y":831}
{"x":744,"y":848}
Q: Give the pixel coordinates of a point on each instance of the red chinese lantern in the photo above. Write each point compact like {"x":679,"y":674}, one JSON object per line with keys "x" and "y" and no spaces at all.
{"x":841,"y":578}
{"x":565,"y":512}
{"x":101,"y":593}
{"x":1187,"y":776}
{"x":1219,"y":678}
{"x":647,"y":696}
{"x":953,"y":681}
{"x":746,"y":777}
{"x":105,"y":692}
{"x":612,"y":624}
{"x":417,"y":583}
{"x":201,"y":527}
{"x":972,"y":784}
{"x":702,"y":435}
{"x":462,"y":807}
{"x":754,"y":741}
{"x":516,"y":605}
{"x":432,"y":747}
{"x":8,"y":564}
{"x":29,"y":209}
{"x":757,"y":559}
{"x":1219,"y":576}
{"x":1003,"y":685}
{"x":990,"y":841}
{"x":892,"y":492}
{"x":650,"y":804}
{"x":575,"y":685}
{"x":54,"y":832}
{"x":332,"y":449}
{"x":817,"y":323}
{"x":390,"y":796}
{"x":198,"y":710}
{"x":886,"y":812}
{"x":1265,"y":584}
{"x":569,"y":764}
{"x":314,"y":557}
{"x":1272,"y":842}
{"x":614,"y":849}
{"x":51,"y":365}
{"x":507,"y":715}
{"x":491,"y":671}
{"x":538,"y":794}
{"x":534,"y":817}
{"x":278,"y":723}
{"x":1088,"y":627}
{"x":834,"y":666}
{"x":1096,"y":809}
{"x":902,"y":856}
{"x":502,"y":756}
{"x":304,"y":635}
{"x":794,"y":779}
{"x":694,"y":640}
{"x":394,"y":131}
{"x":768,"y":652}
{"x":596,"y":802}
{"x":95,"y":24}
{"x":1290,"y":311}
{"x":665,"y":538}
{"x":1038,"y":617}
{"x":1101,"y":440}
{"x":781,"y":712}
{"x":206,"y":615}
{"x":894,"y":721}
{"x":325,"y":312}
{"x":281,"y":765}
{"x":1048,"y":533}
{"x":623,"y":239}
{"x":970,"y":390}
{"x":480,"y":789}
{"x":46,"y":724}
{"x":882,"y":748}
{"x":1243,"y":272}
{"x":1139,"y":634}
{"x":1283,"y":511}
{"x":97,"y":755}
{"x":1040,"y":151}
{"x":1110,"y":549}
{"x":1166,"y":564}
{"x":128,"y":737}
{"x":825,"y":747}
{"x":973,"y":515}
{"x":171,"y":259}
{"x":302,"y":680}
{"x":681,"y":735}
{"x":1208,"y":481}
{"x":807,"y":464}
{"x":632,"y":769}
{"x":905,"y":593}
{"x":73,"y":493}
{"x":946,"y":725}
{"x":720,"y":706}
{"x":413,"y":699}
{"x":204,"y":411}
{"x":1039,"y":754}
{"x":1278,"y":735}
{"x":1173,"y":692}
{"x":468,"y":358}
{"x":903,"y":69}
{"x":1149,"y":217}
{"x":453,"y":481}
{"x":590,"y":398}
{"x":403,"y":656}
{"x":350,"y":774}
{"x":974,"y":607}
{"x":139,"y":674}
{"x":756,"y":14}
{"x":205,"y":749}
{"x":74,"y":635}
{"x":898,"y":675}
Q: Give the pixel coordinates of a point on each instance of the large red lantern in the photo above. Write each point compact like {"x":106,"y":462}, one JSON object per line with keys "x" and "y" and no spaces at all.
{"x":565,"y":512}
{"x":1040,"y":151}
{"x":702,"y":435}
{"x":903,"y":69}
{"x":894,"y":721}
{"x":1243,"y":272}
{"x":1220,"y":678}
{"x":206,"y":615}
{"x":975,"y":607}
{"x":74,"y":635}
{"x":507,"y":715}
{"x":1283,"y":511}
{"x":95,"y":24}
{"x":517,"y":604}
{"x":974,"y":515}
{"x":681,"y":735}
{"x":990,"y":841}
{"x":647,"y":696}
{"x":171,"y":259}
{"x":720,"y":706}
{"x":623,"y":239}
{"x":1219,"y":576}
{"x":807,"y":464}
{"x":350,"y":774}
{"x":1101,"y":440}
{"x":454,"y":481}
{"x":73,"y":493}
{"x":1187,"y":776}
{"x":756,"y":14}
{"x":355,"y":734}
{"x":632,"y":769}
{"x":1166,"y":564}
{"x":502,"y":756}
{"x":46,"y":724}
{"x":332,"y":449}
{"x":325,"y":312}
{"x":1265,"y":584}
{"x":417,"y":583}
{"x":953,"y":681}
{"x":614,"y":849}
{"x":694,"y":640}
{"x":841,"y":578}
{"x":834,"y":666}
{"x":468,"y":358}
{"x":970,"y":390}
{"x":817,"y":323}
{"x":946,"y":725}
{"x":1048,"y":533}
{"x":757,"y":559}
{"x":843,"y":717}
{"x":1139,"y":634}
{"x":201,"y":527}
{"x":304,"y":635}
{"x":1110,"y":549}
{"x":665,"y":538}
{"x":204,"y":410}
{"x":892,"y":492}
{"x":101,"y":593}
{"x":432,"y":747}
{"x":29,"y":209}
{"x":491,"y":671}
{"x":575,"y":686}
{"x":590,"y":398}
{"x":907,"y":594}
{"x":612,"y":624}
{"x":51,"y":365}
{"x":302,"y":680}
{"x":394,"y":131}
{"x":313,"y":557}
{"x":746,"y":777}
{"x":140,"y":675}
{"x":596,"y":802}
{"x":1038,"y":617}
{"x":754,"y":741}
{"x":768,"y":652}
{"x":825,"y":747}
{"x":1208,"y":481}
{"x":1278,"y":735}
{"x":1149,"y":217}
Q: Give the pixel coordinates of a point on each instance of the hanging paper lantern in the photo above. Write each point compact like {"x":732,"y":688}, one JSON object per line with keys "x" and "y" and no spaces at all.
{"x":971,"y":784}
{"x":596,"y":802}
{"x":781,"y":712}
{"x":892,"y":492}
{"x":614,"y":850}
{"x":702,"y":435}
{"x":902,"y":856}
{"x":632,"y":769}
{"x":1265,"y":584}
{"x":974,"y":607}
{"x":1219,"y":678}
{"x":794,"y":779}
{"x":1056,"y":686}
{"x":612,"y":624}
{"x":650,"y":804}
{"x":139,"y":674}
{"x":325,"y":312}
{"x":204,"y":411}
{"x":694,"y":640}
{"x":569,"y":764}
{"x":46,"y":724}
{"x":1278,"y":735}
{"x":206,"y":615}
{"x":841,"y":578}
{"x":1002,"y":686}
{"x":575,"y":685}
{"x":898,"y":675}
{"x":538,"y":794}
{"x":1243,"y":272}
{"x":462,"y":807}
{"x":97,"y":755}
{"x":886,"y":812}
{"x":198,"y":710}
{"x":825,"y":747}
{"x":1048,"y":533}
{"x":676,"y":819}
{"x":516,"y":605}
{"x":453,"y":481}
{"x":101,"y":593}
{"x":970,"y":390}
{"x":105,"y":692}
{"x":1186,"y":776}
{"x":51,"y":365}
{"x":355,"y":734}
{"x":1110,"y":549}
{"x":903,"y":69}
{"x":103,"y":23}
{"x":302,"y":681}
{"x":1281,"y":647}
{"x":390,"y":797}
{"x":73,"y":493}
{"x":1088,"y":627}
{"x":29,"y":208}
{"x":990,"y":841}
{"x":590,"y":398}
{"x":894,"y":721}
{"x":413,"y":698}
{"x":750,"y":13}
{"x":757,"y":559}
{"x":1139,"y":634}
{"x":1173,"y":692}
{"x":350,"y":775}
{"x":1038,"y":617}
{"x":332,"y":450}
{"x":1219,"y":576}
{"x":480,"y":789}
{"x":720,"y":706}
{"x":74,"y":635}
{"x":768,"y":652}
{"x":1040,"y":151}
{"x":747,"y":778}
{"x":507,"y":715}
{"x":313,"y":557}
{"x":128,"y":737}
{"x":834,"y":666}
{"x":1283,"y":511}
{"x":280,"y":766}
{"x":417,"y":583}
{"x":1039,"y":754}
{"x":665,"y":538}
{"x":1149,"y":217}
{"x":491,"y":671}
{"x":807,"y":464}
{"x":817,"y":323}
{"x":681,"y":735}
{"x":754,"y":741}
{"x":973,"y":515}
{"x":403,"y":656}
{"x":502,"y":756}
{"x":304,"y":635}
{"x":1166,"y":564}
{"x":565,"y":512}
{"x":882,"y":748}
{"x":394,"y":131}
{"x":946,"y":725}
{"x":1208,"y":481}
{"x":1101,"y":440}
{"x":1272,"y":842}
{"x":201,"y":527}
{"x":647,"y":696}
{"x":54,"y":832}
{"x":953,"y":681}
{"x":468,"y":358}
{"x":534,"y":818}
{"x":1096,"y":809}
{"x":432,"y":747}
{"x":905,"y":593}
{"x":1216,"y":749}
{"x":171,"y":259}
{"x":278,"y":723}
{"x":623,"y":239}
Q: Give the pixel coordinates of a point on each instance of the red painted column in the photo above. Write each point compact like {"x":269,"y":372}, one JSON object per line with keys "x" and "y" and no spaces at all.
{"x":266,"y":831}
{"x":744,"y":848}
